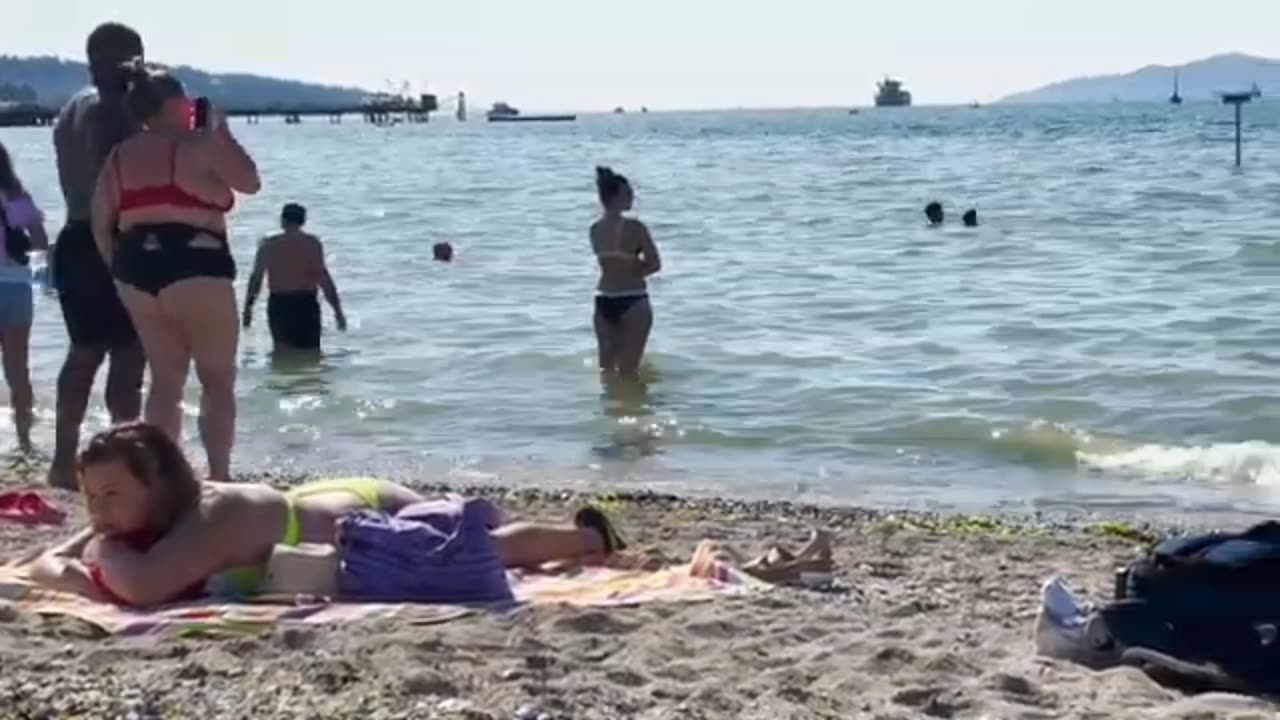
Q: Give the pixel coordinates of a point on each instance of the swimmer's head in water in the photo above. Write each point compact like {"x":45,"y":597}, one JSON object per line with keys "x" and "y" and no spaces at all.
{"x":155,"y":96}
{"x":971,"y":218}
{"x":933,"y":211}
{"x":109,"y":46}
{"x":615,"y":190}
{"x":293,"y":215}
{"x":136,"y":481}
{"x":442,"y":251}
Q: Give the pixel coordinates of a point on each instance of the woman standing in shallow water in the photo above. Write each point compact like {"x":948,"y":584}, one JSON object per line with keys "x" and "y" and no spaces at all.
{"x":21,"y":230}
{"x":160,"y":222}
{"x":627,"y":255}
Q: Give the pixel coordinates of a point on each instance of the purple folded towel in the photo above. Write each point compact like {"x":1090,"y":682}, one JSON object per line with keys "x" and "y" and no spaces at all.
{"x":438,"y":551}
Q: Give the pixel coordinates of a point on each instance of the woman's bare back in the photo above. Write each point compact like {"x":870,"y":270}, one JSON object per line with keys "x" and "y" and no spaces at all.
{"x":153,"y":159}
{"x":618,"y":247}
{"x":253,"y":518}
{"x":318,"y":513}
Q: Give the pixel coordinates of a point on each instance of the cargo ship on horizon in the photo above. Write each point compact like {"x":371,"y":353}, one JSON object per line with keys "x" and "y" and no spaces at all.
{"x":890,"y":93}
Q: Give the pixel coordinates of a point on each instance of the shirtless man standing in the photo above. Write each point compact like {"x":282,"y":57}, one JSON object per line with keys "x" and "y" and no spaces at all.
{"x":93,"y":122}
{"x":293,"y":263}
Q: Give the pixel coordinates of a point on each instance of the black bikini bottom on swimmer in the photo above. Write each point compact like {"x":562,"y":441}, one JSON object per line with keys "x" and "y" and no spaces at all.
{"x":152,"y":257}
{"x":613,"y":308}
{"x":294,"y":319}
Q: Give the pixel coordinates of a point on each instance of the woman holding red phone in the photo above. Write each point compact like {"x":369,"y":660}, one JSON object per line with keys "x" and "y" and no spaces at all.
{"x":159,"y":220}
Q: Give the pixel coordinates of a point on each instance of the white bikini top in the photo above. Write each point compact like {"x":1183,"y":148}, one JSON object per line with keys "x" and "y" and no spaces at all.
{"x":618,"y":252}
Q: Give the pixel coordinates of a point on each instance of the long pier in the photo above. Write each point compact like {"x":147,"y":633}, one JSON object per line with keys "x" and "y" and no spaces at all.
{"x":26,"y":116}
{"x":379,"y":112}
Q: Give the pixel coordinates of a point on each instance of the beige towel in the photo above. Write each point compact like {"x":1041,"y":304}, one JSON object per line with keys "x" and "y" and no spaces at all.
{"x":303,"y":569}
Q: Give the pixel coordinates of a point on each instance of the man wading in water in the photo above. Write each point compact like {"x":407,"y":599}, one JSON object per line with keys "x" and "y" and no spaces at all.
{"x":93,"y":122}
{"x":293,"y":265}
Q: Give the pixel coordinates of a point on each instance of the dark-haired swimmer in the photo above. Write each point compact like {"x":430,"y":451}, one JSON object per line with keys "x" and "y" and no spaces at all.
{"x":627,"y":255}
{"x":934,"y":214}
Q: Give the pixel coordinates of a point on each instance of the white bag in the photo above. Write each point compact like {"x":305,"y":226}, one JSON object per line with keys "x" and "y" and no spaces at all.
{"x":305,"y":569}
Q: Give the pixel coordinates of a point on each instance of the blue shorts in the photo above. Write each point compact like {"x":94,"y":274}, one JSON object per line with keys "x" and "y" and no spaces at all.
{"x":15,"y":305}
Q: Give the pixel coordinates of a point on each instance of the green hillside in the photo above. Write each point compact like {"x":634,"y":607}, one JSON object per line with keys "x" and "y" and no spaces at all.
{"x":49,"y":81}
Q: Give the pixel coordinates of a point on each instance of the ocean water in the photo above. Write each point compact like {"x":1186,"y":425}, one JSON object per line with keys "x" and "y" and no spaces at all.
{"x":1109,"y":339}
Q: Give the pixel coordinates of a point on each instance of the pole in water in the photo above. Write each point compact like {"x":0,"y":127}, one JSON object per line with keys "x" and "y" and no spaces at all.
{"x":1238,"y":112}
{"x":1238,"y":100}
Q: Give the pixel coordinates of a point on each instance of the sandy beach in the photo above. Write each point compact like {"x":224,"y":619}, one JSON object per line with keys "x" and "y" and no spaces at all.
{"x":934,"y":620}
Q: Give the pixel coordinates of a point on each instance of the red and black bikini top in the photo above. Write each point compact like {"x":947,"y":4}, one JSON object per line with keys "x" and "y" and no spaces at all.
{"x":168,"y":194}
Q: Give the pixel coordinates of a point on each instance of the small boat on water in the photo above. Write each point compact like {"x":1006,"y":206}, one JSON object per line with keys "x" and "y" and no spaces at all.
{"x":890,"y":94}
{"x":1176,"y":97}
{"x":502,"y":112}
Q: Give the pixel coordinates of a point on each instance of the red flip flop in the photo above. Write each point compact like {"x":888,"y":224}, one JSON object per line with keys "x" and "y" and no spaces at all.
{"x":29,"y":508}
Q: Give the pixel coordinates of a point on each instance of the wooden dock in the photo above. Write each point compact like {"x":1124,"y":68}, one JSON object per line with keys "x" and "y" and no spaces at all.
{"x":379,"y":112}
{"x":26,"y":116}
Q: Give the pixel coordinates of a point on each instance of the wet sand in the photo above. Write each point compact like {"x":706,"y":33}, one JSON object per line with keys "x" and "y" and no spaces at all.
{"x":934,"y":620}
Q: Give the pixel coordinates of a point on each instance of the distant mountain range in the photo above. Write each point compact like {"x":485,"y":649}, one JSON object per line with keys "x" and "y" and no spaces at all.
{"x":1200,"y":80}
{"x":49,"y":81}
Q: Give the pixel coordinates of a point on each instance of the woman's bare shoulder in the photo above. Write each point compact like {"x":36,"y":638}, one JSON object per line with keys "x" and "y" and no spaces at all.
{"x":113,"y":155}
{"x":596,"y":231}
{"x":635,"y":228}
{"x":197,"y":143}
{"x":140,"y":149}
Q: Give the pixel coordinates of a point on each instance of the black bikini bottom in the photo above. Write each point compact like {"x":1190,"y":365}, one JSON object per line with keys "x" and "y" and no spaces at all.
{"x":613,"y":308}
{"x":154,"y":256}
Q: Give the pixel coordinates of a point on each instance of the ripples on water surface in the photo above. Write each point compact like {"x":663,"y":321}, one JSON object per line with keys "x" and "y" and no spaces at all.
{"x":1108,"y":338}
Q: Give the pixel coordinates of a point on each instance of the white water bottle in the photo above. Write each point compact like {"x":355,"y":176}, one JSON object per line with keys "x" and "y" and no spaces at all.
{"x":41,"y":276}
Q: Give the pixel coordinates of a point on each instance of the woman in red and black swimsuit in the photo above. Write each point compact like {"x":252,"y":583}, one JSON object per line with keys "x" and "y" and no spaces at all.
{"x":159,"y":219}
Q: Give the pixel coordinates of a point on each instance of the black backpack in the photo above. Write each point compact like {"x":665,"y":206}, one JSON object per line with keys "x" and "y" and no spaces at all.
{"x":1212,"y":599}
{"x":17,"y":241}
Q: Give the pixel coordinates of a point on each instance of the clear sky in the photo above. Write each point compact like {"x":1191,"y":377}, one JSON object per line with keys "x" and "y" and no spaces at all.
{"x":596,"y":54}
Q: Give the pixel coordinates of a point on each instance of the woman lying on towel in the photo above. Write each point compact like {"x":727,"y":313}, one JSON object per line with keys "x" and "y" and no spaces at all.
{"x":158,"y":534}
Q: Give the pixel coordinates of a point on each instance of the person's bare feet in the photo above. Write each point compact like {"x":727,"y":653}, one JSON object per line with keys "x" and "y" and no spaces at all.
{"x":63,"y":476}
{"x":778,"y":554}
{"x":781,"y":566}
{"x":818,"y":548}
